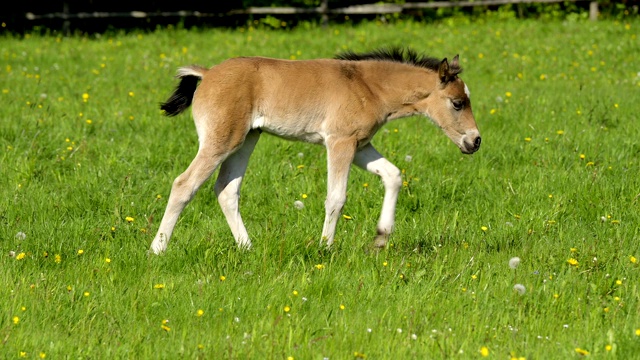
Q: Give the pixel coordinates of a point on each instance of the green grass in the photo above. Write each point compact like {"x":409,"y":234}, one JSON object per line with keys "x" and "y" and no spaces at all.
{"x":557,"y":106}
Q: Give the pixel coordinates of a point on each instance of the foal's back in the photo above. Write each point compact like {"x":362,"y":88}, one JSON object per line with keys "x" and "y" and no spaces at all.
{"x":292,"y":99}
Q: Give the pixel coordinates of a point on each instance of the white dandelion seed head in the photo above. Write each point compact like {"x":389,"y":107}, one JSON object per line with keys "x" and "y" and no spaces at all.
{"x":414,"y":337}
{"x":603,"y":219}
{"x":509,"y":224}
{"x":20,"y":235}
{"x":566,"y":326}
{"x":408,"y":158}
{"x":298,"y":204}
{"x":369,"y":330}
{"x":499,"y":99}
{"x":520,"y":289}
{"x":514,"y":262}
{"x":399,"y":330}
{"x":236,"y":319}
{"x":12,"y":253}
{"x":300,"y":155}
{"x":304,"y":299}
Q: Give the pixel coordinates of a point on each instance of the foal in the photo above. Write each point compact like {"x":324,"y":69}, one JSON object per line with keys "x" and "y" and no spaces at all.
{"x":340,"y":103}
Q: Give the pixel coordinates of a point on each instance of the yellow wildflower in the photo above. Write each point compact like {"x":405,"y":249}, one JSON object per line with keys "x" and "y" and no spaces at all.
{"x":484,"y":351}
{"x":582,"y":352}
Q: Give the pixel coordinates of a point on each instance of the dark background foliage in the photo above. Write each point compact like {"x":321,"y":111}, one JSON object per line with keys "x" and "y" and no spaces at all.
{"x":14,"y":19}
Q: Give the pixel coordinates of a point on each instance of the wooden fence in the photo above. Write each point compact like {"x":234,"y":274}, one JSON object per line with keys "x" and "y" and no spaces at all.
{"x":323,"y":10}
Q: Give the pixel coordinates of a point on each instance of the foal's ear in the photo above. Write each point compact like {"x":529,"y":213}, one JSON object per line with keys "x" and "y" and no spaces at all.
{"x":455,"y":63}
{"x":443,"y":71}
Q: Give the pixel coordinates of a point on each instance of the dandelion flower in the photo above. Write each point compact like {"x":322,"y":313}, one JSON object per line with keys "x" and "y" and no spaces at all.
{"x":346,"y":217}
{"x":158,"y":286}
{"x":20,"y":256}
{"x":223,"y":278}
{"x":608,"y":347}
{"x":519,"y":288}
{"x":572,"y":262}
{"x":582,"y":352}
{"x":484,"y":351}
{"x":200,"y":312}
{"x":129,"y":219}
{"x":320,"y":266}
{"x":16,"y":320}
{"x":484,"y":228}
{"x":633,"y":259}
{"x":58,"y":259}
{"x":42,"y":355}
{"x":80,"y":252}
{"x":514,"y":262}
{"x":287,"y":308}
{"x":637,"y":332}
{"x":86,"y":294}
{"x":85,"y":97}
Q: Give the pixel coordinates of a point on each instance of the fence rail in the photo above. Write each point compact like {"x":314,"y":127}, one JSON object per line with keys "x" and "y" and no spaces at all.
{"x":323,"y":9}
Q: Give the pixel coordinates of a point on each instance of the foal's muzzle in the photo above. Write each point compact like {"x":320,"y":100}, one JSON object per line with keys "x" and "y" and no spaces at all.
{"x":471,"y":144}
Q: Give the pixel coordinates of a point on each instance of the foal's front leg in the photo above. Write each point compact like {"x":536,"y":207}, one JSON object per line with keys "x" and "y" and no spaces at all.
{"x":340,"y":154}
{"x":370,"y":159}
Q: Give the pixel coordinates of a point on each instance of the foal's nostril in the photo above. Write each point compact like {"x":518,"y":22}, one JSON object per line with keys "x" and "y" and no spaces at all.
{"x":477,"y":142}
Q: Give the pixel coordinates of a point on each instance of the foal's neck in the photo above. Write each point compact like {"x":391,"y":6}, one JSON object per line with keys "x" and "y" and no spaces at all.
{"x":399,"y":86}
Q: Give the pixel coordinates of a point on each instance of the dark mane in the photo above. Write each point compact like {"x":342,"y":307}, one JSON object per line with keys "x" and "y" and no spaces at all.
{"x":401,"y":55}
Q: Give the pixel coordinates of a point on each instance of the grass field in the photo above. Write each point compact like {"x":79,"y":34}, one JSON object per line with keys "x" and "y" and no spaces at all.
{"x":87,"y":161}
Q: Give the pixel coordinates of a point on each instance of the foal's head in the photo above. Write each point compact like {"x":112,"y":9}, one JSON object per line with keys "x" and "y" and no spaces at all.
{"x":450,"y":108}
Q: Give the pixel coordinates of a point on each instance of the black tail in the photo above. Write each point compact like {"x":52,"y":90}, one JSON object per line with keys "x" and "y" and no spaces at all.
{"x":182,"y":96}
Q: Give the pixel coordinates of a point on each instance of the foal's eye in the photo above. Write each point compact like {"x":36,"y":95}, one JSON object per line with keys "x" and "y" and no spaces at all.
{"x":457,"y":104}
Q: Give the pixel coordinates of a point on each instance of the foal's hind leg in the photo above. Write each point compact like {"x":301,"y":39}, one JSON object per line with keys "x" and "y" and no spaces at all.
{"x":184,"y":188}
{"x":370,"y":159}
{"x":227,"y":187}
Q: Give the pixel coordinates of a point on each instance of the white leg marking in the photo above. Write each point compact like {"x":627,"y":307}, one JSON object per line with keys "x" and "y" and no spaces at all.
{"x":370,"y":159}
{"x":228,"y":185}
{"x":184,"y":188}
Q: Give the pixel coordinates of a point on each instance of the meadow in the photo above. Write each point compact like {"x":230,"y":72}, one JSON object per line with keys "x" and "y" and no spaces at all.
{"x":87,"y":161}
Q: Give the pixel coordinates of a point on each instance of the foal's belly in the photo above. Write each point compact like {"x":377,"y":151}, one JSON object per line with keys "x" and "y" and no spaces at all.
{"x":292,"y":129}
